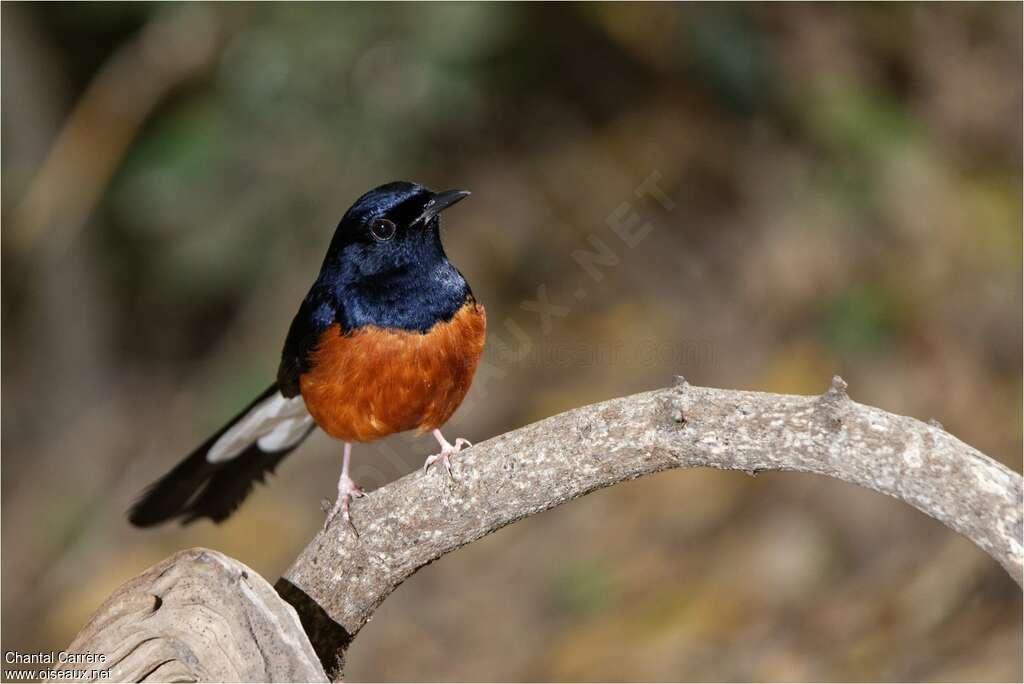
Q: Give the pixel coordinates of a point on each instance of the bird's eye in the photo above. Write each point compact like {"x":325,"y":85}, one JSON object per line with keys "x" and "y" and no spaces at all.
{"x":382,"y":229}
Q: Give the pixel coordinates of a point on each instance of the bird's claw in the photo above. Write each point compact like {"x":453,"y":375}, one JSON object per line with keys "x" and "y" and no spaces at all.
{"x":447,"y":451}
{"x":443,"y":458}
{"x":346,"y":490}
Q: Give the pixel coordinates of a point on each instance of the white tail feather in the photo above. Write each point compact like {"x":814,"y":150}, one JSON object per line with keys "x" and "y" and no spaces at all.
{"x":286,"y":434}
{"x":275,"y":423}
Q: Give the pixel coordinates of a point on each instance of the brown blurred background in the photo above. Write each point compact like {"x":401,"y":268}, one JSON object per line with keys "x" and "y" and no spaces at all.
{"x":846,"y":182}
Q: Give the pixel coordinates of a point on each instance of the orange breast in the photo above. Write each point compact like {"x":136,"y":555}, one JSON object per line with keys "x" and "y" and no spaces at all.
{"x":377,"y":381}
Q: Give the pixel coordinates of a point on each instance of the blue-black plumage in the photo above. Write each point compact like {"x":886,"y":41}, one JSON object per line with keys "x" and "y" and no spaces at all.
{"x":387,"y":339}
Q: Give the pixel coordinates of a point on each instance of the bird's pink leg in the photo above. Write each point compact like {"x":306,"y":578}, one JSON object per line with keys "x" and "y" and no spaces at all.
{"x":346,"y":490}
{"x":447,"y":451}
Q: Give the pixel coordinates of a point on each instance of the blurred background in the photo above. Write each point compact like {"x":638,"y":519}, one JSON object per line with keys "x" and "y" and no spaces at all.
{"x":845,"y":193}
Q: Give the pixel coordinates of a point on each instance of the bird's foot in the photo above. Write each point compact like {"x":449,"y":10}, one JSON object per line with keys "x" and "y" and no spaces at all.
{"x":346,"y":490}
{"x":447,"y":451}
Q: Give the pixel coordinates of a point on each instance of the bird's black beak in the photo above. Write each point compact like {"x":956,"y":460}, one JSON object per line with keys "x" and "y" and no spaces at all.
{"x":439,"y":202}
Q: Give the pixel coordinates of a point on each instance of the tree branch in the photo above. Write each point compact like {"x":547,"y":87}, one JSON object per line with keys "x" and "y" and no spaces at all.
{"x":338,"y":581}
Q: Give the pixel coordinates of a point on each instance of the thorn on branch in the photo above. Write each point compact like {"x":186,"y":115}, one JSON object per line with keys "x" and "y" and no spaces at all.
{"x":834,"y":400}
{"x":838,"y":389}
{"x":673,"y":403}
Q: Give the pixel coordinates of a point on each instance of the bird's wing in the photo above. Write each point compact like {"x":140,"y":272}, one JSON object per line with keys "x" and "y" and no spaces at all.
{"x":317,"y":313}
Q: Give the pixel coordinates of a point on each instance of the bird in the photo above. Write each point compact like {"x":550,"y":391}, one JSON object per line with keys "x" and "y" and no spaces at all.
{"x":387,"y":340}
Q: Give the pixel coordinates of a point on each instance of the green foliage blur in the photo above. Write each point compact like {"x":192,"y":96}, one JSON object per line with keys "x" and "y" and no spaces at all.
{"x":845,"y":184}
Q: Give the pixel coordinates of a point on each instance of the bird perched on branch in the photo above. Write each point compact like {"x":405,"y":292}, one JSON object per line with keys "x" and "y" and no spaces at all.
{"x":387,"y":340}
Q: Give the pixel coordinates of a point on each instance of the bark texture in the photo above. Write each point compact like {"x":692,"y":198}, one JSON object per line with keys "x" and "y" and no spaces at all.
{"x":198,"y":616}
{"x":338,"y":580}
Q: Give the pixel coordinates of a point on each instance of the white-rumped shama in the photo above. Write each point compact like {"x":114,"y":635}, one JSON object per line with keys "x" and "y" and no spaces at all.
{"x":387,"y":340}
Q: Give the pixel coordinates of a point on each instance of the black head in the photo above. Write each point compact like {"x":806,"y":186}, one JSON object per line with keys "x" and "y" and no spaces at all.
{"x":390,"y":229}
{"x":385,"y":268}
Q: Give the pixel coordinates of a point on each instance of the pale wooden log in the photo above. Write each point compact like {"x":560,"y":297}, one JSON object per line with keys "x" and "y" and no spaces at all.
{"x":198,"y":616}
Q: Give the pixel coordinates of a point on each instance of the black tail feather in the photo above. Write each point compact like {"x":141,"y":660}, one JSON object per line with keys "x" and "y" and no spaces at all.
{"x":229,"y":486}
{"x":196,"y":488}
